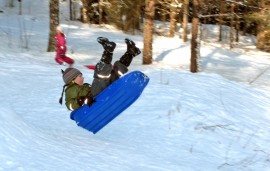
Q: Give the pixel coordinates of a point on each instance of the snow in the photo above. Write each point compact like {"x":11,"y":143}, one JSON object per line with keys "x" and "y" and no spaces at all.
{"x":217,"y":119}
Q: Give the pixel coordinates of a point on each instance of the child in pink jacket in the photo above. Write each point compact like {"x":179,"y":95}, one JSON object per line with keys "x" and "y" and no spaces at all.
{"x":61,"y":48}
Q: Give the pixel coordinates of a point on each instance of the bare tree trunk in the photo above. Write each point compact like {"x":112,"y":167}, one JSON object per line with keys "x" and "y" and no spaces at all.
{"x":261,"y":34}
{"x":237,"y":24}
{"x":54,"y":22}
{"x":185,"y":19}
{"x":172,"y":18}
{"x":232,"y":25}
{"x":100,"y":11}
{"x":70,"y":10}
{"x":221,"y":9}
{"x":260,"y":37}
{"x":195,"y":51}
{"x":20,"y":7}
{"x":85,"y":11}
{"x":148,"y":31}
{"x":137,"y":24}
{"x":245,"y":23}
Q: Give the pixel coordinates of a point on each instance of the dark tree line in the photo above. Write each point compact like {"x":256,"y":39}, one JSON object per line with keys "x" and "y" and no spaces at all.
{"x":247,"y":16}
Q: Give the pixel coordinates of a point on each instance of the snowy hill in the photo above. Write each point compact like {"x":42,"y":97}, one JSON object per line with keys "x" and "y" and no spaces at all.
{"x":217,"y":119}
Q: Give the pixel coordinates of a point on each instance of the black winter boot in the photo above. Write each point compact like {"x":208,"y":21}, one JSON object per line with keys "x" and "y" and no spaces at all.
{"x":126,"y":59}
{"x":107,"y":45}
{"x":131,"y":47}
{"x":107,"y":57}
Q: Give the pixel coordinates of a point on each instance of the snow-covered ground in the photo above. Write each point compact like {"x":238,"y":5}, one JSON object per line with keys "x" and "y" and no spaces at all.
{"x":217,"y":119}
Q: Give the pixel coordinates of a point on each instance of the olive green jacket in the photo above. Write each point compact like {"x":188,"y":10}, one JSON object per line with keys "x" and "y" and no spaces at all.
{"x":73,"y":93}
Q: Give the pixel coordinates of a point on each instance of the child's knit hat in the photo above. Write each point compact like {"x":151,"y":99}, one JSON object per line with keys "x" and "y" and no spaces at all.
{"x":59,"y":28}
{"x":70,"y":74}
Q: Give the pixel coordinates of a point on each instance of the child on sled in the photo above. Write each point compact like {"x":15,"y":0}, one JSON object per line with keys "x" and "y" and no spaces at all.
{"x":78,"y":93}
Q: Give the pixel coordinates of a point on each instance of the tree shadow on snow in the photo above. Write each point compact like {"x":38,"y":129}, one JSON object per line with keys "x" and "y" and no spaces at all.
{"x":162,"y":55}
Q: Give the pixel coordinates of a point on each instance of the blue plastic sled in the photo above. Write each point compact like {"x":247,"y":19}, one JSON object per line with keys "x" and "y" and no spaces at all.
{"x":111,"y":102}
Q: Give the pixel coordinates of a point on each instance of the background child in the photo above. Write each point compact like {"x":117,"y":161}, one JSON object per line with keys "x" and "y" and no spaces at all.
{"x":61,"y":48}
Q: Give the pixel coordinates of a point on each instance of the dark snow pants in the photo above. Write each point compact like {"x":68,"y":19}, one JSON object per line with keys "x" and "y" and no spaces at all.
{"x":105,"y":74}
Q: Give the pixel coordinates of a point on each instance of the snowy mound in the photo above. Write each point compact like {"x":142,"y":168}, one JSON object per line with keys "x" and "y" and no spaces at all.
{"x":181,"y":122}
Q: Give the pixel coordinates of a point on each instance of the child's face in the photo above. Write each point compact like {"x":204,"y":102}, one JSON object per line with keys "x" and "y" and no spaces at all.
{"x":79,"y":79}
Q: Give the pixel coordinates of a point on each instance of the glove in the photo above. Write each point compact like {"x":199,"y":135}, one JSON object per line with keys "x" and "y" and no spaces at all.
{"x":80,"y":100}
{"x":86,"y":100}
{"x":89,"y":100}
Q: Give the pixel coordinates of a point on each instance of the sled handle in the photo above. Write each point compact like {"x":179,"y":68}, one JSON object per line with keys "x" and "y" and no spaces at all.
{"x":90,"y":67}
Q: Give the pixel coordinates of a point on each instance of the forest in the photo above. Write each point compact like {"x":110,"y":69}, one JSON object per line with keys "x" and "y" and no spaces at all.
{"x":139,"y":17}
